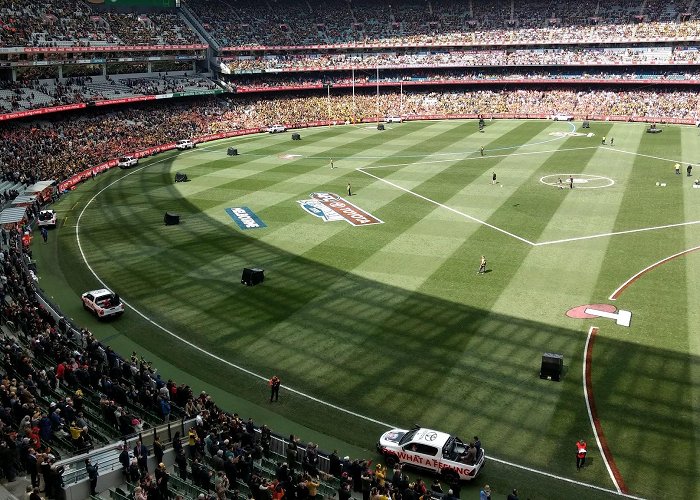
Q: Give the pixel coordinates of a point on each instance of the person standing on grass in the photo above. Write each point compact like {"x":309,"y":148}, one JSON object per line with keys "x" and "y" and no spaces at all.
{"x":677,"y":168}
{"x":689,"y":169}
{"x":44,"y":233}
{"x":349,"y":190}
{"x":514,"y":494}
{"x":612,"y":141}
{"x":482,"y":265}
{"x":482,"y":150}
{"x":571,"y":182}
{"x":275,"y":384}
{"x":580,"y":453}
{"x":493,"y":178}
{"x":332,"y":165}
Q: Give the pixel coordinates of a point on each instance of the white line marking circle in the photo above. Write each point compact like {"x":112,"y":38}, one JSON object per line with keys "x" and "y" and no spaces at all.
{"x":602,"y":181}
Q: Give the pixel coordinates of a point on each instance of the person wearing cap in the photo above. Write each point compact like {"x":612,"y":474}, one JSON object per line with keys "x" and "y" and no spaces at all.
{"x":275,"y":384}
{"x":485,"y":493}
{"x":513,"y":495}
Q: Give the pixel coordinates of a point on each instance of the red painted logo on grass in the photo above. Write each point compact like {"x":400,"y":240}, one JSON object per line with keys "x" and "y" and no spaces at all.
{"x":331,"y":207}
{"x":590,"y":311}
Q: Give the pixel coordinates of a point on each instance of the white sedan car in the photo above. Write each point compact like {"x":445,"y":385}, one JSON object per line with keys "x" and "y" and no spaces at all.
{"x":274,"y":129}
{"x":562,"y":117}
{"x":103,"y":303}
{"x":183,"y":144}
{"x":47,"y":218}
{"x":127,"y":161}
{"x":432,"y":451}
{"x":393,"y":119}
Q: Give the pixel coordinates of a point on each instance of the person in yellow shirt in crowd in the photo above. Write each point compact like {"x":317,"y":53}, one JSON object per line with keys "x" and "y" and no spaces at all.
{"x":76,"y":434}
{"x":380,"y":475}
{"x":312,"y":487}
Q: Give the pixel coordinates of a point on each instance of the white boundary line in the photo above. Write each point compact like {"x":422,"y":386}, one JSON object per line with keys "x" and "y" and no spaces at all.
{"x":454,"y":210}
{"x":652,"y":266}
{"x":643,"y":155}
{"x":185,"y":341}
{"x":295,"y":391}
{"x":590,"y":414}
{"x":565,"y":479}
{"x":615,"y":233}
{"x":496,"y":228}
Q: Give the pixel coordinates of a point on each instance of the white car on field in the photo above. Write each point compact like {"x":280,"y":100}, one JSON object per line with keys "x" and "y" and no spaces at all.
{"x":127,"y":161}
{"x":429,"y":450}
{"x":393,"y":119}
{"x":47,"y":218}
{"x":562,"y":117}
{"x":274,"y":129}
{"x":103,"y":303}
{"x":183,"y":144}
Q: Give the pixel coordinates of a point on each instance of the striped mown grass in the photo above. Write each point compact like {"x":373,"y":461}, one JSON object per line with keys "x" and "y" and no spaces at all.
{"x":391,"y":321}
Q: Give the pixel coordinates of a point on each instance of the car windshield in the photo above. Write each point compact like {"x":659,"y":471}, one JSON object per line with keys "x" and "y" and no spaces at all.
{"x":45,"y":215}
{"x":124,"y":158}
{"x":408,"y":436}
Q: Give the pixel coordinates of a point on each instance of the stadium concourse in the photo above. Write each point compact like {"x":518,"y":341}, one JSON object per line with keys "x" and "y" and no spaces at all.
{"x":71,"y":73}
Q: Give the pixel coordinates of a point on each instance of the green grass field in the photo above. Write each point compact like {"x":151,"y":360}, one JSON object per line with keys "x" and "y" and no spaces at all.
{"x":391,"y":321}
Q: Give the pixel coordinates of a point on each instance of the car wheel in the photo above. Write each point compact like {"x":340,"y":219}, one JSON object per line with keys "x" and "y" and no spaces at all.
{"x":390,"y":461}
{"x":450,"y":476}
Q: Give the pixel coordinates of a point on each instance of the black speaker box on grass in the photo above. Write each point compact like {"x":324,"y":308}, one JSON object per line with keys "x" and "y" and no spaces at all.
{"x":380,"y":126}
{"x":232,"y":152}
{"x":180,"y":177}
{"x":252,"y":276}
{"x":296,"y":136}
{"x":552,"y":365}
{"x":171,"y":219}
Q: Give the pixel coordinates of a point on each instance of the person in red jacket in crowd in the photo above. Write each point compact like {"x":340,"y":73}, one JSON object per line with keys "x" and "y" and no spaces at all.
{"x":275,"y":384}
{"x":580,"y":453}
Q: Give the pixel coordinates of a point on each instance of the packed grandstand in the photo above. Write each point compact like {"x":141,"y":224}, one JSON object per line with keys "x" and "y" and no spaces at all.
{"x":81,"y":84}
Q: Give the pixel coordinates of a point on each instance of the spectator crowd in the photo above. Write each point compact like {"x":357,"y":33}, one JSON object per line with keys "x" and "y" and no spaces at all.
{"x":73,"y":22}
{"x":61,"y":146}
{"x":582,"y":56}
{"x":238,"y":23}
{"x":235,"y":23}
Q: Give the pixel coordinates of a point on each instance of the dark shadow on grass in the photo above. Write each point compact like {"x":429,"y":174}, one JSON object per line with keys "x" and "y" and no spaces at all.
{"x":399,"y":356}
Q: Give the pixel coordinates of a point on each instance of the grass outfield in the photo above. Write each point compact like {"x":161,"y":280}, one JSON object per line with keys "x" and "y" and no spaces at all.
{"x":391,"y":321}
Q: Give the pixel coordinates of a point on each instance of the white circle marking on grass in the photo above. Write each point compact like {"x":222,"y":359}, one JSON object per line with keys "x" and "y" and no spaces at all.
{"x":578,"y":179}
